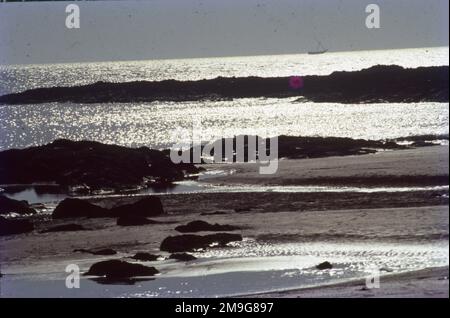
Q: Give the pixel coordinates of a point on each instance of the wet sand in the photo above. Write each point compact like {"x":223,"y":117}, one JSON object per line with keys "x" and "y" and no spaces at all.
{"x":425,"y":283}
{"x":275,"y":223}
{"x":411,"y":167}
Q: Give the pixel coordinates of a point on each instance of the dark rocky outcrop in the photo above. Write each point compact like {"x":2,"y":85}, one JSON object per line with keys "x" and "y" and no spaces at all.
{"x":198,"y":226}
{"x":10,"y":227}
{"x":189,"y":242}
{"x":8,"y":205}
{"x":91,"y":164}
{"x":135,"y":212}
{"x":75,"y":208}
{"x":324,"y":265}
{"x":293,"y":147}
{"x":114,"y":269}
{"x":381,"y":83}
{"x":146,"y":257}
{"x":102,"y":251}
{"x":64,"y":228}
{"x":184,"y":257}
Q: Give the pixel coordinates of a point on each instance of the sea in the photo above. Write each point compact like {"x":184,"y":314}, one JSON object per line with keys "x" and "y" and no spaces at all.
{"x":250,"y":266}
{"x":158,"y":124}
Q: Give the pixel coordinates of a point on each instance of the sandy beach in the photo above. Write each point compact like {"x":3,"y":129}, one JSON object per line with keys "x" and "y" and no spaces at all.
{"x":283,"y":231}
{"x":411,"y":167}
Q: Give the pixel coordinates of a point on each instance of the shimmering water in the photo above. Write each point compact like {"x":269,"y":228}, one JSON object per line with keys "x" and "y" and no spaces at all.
{"x":157,"y":124}
{"x":264,"y":268}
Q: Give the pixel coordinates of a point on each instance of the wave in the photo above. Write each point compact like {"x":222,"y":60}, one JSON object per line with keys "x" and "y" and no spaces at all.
{"x":377,"y":84}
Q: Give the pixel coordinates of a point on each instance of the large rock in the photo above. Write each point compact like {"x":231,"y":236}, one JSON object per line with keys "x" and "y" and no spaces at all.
{"x":8,"y":205}
{"x":149,"y":206}
{"x":74,"y":208}
{"x":10,"y":227}
{"x":324,"y":265}
{"x":199,"y":226}
{"x":189,"y":242}
{"x":120,"y":269}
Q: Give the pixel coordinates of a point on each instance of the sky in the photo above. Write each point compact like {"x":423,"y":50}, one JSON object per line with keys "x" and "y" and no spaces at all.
{"x":35,"y":32}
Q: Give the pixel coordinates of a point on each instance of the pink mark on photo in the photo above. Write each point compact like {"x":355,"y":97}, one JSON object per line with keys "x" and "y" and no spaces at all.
{"x":296,"y":82}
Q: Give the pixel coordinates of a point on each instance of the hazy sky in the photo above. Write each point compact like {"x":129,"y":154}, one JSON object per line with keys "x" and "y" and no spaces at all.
{"x":35,"y":32}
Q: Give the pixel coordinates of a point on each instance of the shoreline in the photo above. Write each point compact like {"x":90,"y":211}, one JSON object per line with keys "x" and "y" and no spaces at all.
{"x":423,"y":283}
{"x":285,"y":235}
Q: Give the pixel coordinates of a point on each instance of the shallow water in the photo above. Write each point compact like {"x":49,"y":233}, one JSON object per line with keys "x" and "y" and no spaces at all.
{"x":248,"y":267}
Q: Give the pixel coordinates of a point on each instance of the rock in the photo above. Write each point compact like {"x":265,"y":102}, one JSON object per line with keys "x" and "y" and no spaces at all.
{"x":64,"y":228}
{"x":149,"y":206}
{"x":183,"y":257}
{"x":422,"y":143}
{"x":134,"y":221}
{"x":324,"y":265}
{"x":8,"y":205}
{"x":198,"y":226}
{"x":74,"y":208}
{"x":90,"y":164}
{"x":104,"y":251}
{"x":189,"y":242}
{"x":114,"y":269}
{"x":10,"y":227}
{"x":379,"y":83}
{"x":214,"y":213}
{"x":143,"y":256}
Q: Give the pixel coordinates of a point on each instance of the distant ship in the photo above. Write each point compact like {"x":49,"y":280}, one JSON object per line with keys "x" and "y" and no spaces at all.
{"x":320,"y":49}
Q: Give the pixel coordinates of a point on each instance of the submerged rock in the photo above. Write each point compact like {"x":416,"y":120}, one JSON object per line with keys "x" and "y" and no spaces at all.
{"x":143,"y":256}
{"x":198,"y":226}
{"x":10,"y":227}
{"x":64,"y":228}
{"x":324,"y":265}
{"x":8,"y":205}
{"x":184,"y":257}
{"x":189,"y":242}
{"x":114,"y":269}
{"x":103,"y":251}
